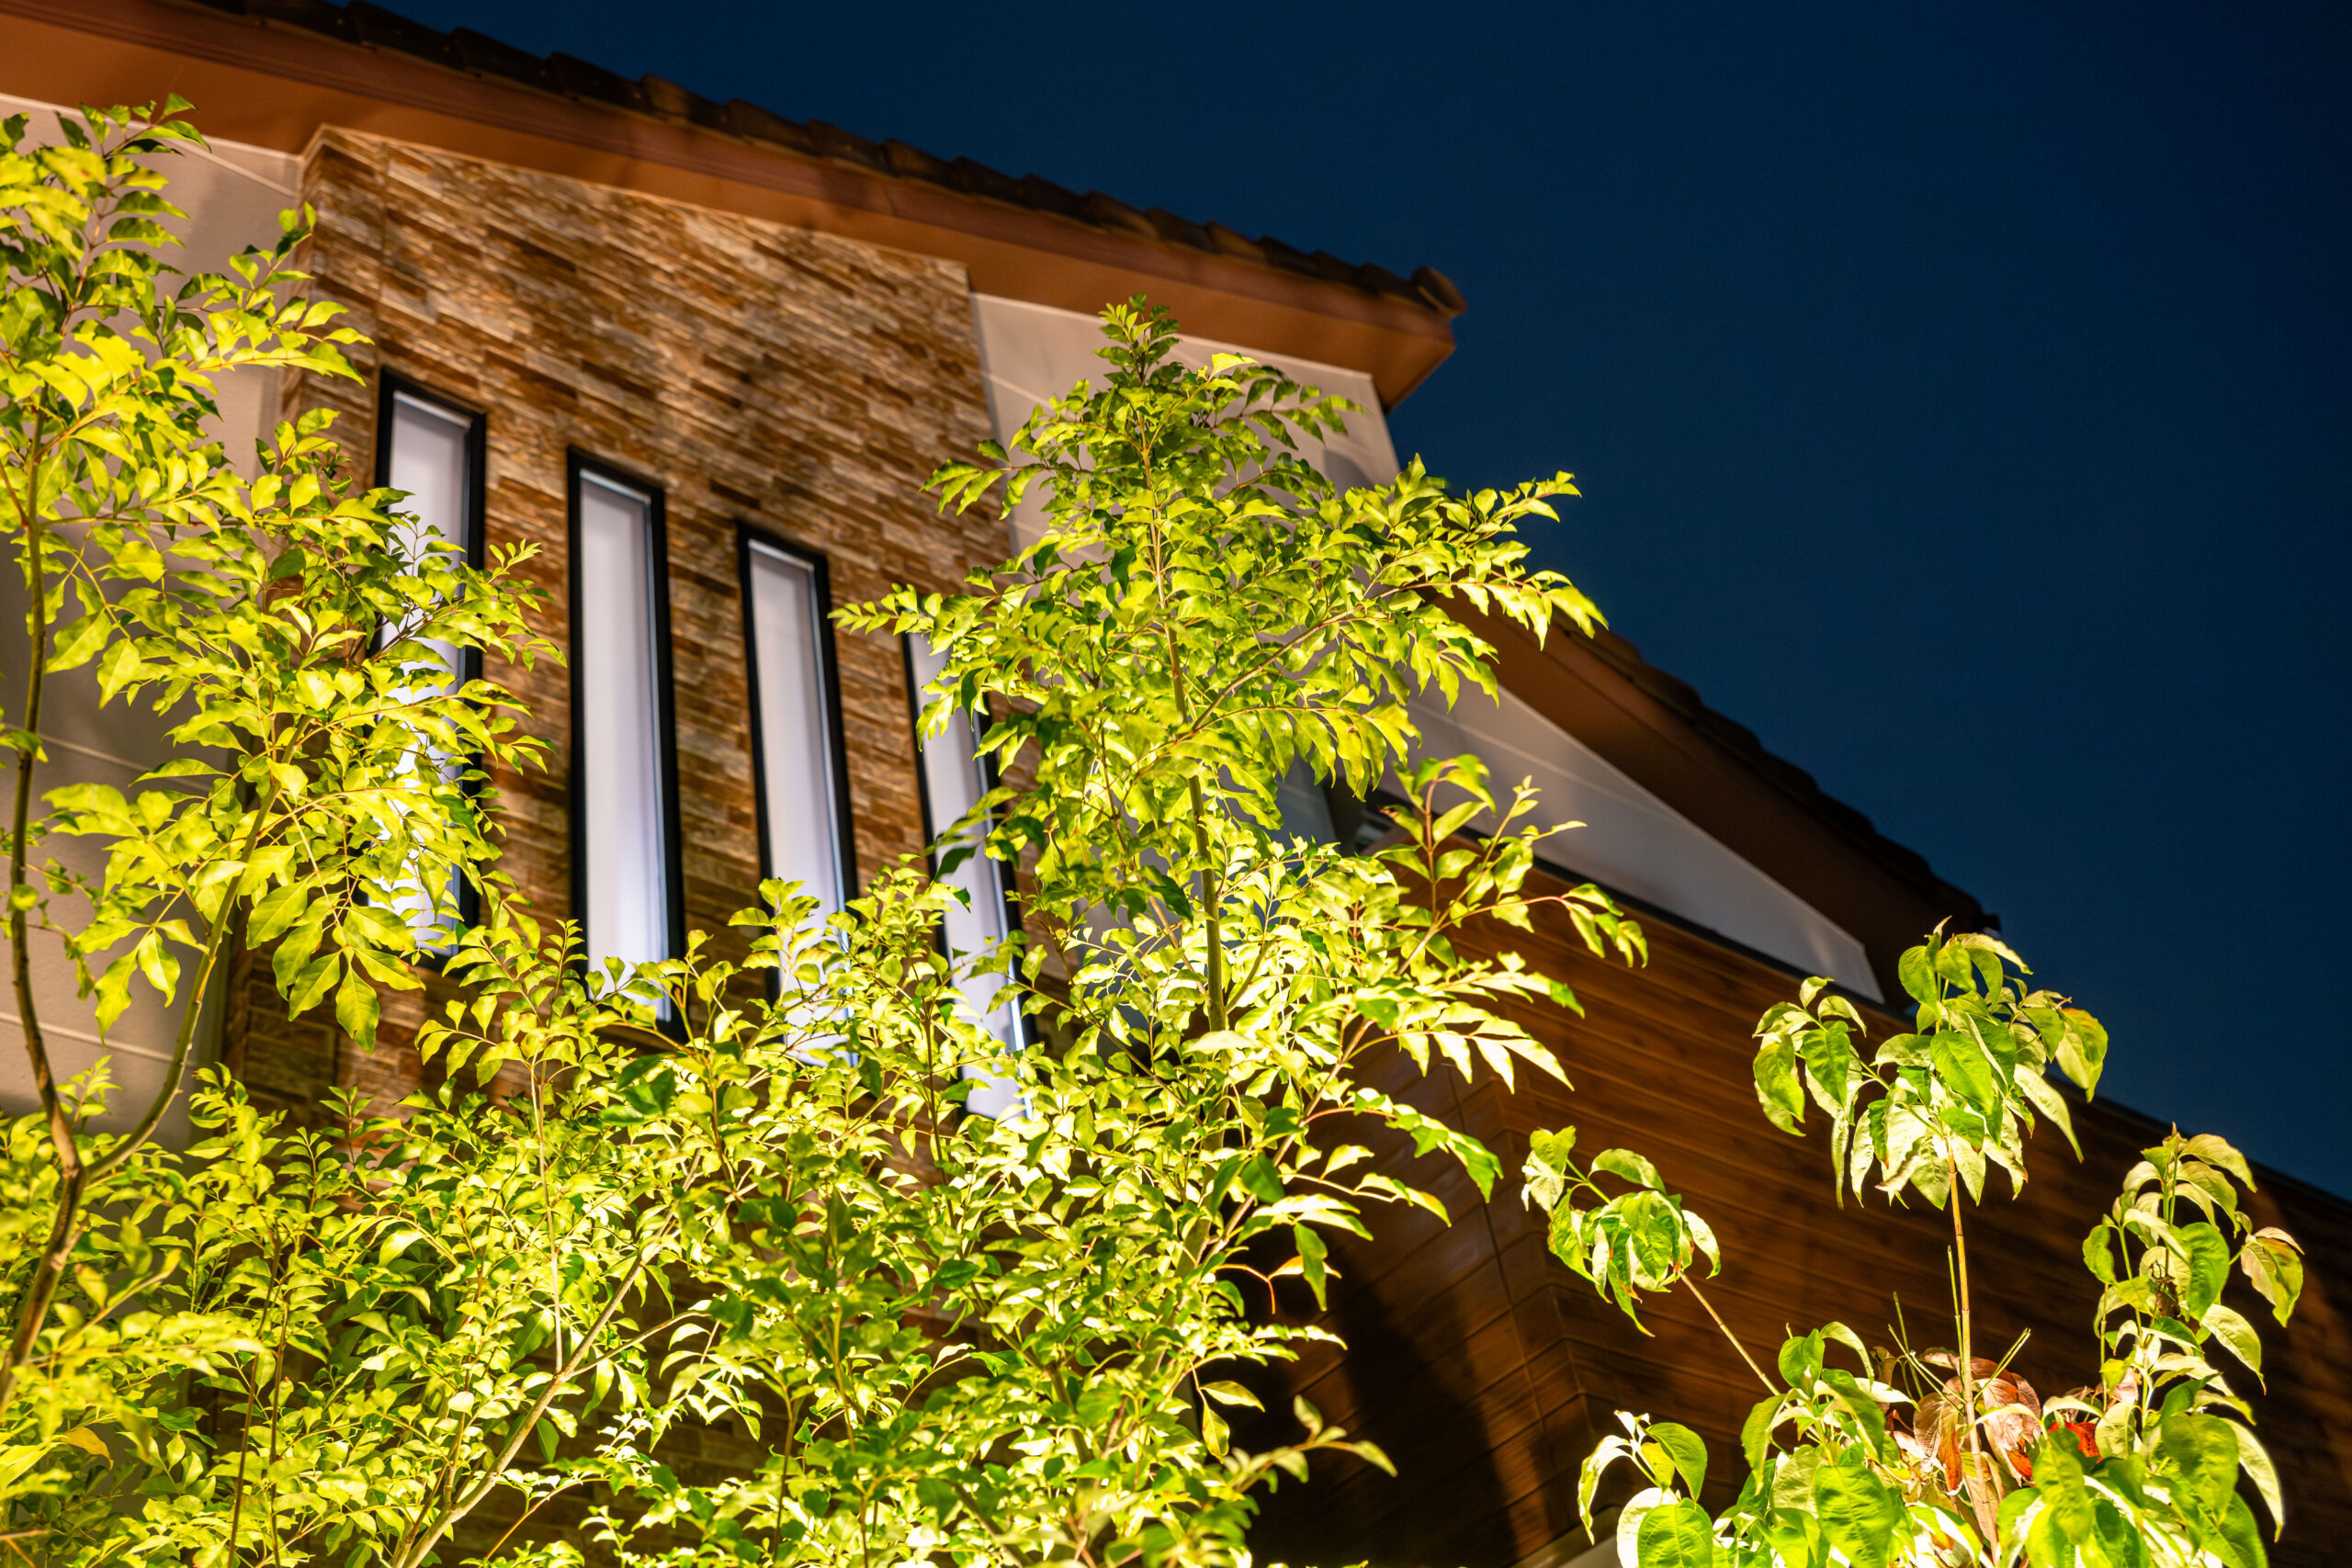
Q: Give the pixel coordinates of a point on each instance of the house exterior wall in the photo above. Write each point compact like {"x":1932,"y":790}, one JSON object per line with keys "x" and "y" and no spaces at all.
{"x":803,"y":381}
{"x":757,"y":373}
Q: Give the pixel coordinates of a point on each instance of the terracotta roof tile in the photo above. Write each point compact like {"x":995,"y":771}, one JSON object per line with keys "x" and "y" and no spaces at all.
{"x":484,"y":55}
{"x":371,"y":25}
{"x":671,"y":101}
{"x":756,"y":124}
{"x":581,"y":79}
{"x":832,"y":142}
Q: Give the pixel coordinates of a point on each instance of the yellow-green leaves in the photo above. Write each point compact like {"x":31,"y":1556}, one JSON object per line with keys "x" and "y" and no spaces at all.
{"x":1626,"y":1243}
{"x":1944,"y":1101}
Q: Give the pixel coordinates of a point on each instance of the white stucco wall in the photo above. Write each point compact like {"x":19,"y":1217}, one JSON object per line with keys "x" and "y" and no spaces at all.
{"x":233,"y":195}
{"x":1631,"y":842}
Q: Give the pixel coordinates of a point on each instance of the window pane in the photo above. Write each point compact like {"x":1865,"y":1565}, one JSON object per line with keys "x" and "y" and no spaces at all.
{"x":429,"y":459}
{"x":796,"y":745}
{"x":618,"y":666}
{"x":952,"y":782}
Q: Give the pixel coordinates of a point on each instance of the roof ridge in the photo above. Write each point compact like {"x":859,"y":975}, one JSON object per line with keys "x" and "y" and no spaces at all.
{"x":371,"y":26}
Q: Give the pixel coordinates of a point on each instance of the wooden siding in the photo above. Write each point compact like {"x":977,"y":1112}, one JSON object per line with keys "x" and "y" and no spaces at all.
{"x":1486,"y":1369}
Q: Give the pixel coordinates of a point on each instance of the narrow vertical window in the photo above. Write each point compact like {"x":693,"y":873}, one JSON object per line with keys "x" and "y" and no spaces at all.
{"x":432,"y":450}
{"x":796,"y":731}
{"x":625,"y":834}
{"x":954,"y":777}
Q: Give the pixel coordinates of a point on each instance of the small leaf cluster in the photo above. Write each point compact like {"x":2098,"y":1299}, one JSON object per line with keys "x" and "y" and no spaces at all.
{"x":1202,"y":608}
{"x":1626,"y":1243}
{"x":1939,"y":1102}
{"x":324,"y":787}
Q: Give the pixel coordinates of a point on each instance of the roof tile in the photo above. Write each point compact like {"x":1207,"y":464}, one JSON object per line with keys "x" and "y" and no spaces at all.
{"x":375,"y":26}
{"x":1439,"y":290}
{"x":917,"y":165}
{"x":1179,"y":230}
{"x":995,"y":183}
{"x":478,"y":51}
{"x":1112,"y":213}
{"x":757,"y":124}
{"x":581,"y":79}
{"x":671,"y":101}
{"x":1048,"y":196}
{"x":832,"y":142}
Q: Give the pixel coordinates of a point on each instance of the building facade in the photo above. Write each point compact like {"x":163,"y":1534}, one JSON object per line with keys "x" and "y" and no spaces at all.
{"x":701,"y":357}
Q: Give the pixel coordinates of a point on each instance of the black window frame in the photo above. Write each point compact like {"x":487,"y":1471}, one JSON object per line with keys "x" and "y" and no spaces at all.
{"x":577,"y":464}
{"x":392,"y":385}
{"x":747,"y":533}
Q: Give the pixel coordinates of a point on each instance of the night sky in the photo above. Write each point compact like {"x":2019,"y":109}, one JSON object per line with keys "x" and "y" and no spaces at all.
{"x":1958,"y":394}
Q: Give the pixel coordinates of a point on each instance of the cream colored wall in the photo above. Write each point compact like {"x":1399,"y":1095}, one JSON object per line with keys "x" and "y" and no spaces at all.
{"x":1032,"y":354}
{"x":233,"y":195}
{"x":1631,"y":841}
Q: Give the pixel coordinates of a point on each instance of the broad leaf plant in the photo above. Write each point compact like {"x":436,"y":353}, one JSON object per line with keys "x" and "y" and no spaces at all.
{"x":1946,"y":1456}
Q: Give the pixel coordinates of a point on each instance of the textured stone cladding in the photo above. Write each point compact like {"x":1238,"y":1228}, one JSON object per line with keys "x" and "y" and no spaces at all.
{"x":799,"y":383}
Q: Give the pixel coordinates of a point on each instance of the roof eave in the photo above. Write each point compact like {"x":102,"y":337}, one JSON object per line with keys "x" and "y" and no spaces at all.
{"x":275,"y":86}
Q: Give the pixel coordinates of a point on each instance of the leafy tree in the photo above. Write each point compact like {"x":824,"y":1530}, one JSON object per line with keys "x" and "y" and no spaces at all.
{"x":1004,"y":1339}
{"x":747,"y":1193}
{"x":2140,"y":1468}
{"x":282,"y":625}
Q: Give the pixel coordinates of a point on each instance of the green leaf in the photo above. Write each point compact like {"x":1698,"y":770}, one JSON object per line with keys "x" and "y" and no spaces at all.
{"x":1629,"y":1164}
{"x":1311,"y":1254}
{"x":1675,"y":1535}
{"x":1756,"y":1432}
{"x":355,"y":1009}
{"x":1685,"y":1449}
{"x":2208,"y":1265}
{"x":2243,"y":1536}
{"x":2255,"y":1460}
{"x":2201,"y":1454}
{"x":2236,"y":1334}
{"x":1858,"y":1512}
{"x":1916,"y":971}
{"x":2218,"y":1151}
{"x":1260,"y":1176}
{"x":1776,"y":1086}
{"x":79,"y":643}
{"x":2272,"y":1261}
{"x":1961,"y":1066}
{"x":276,"y":911}
{"x":2097,"y":1256}
{"x":1231,"y":1394}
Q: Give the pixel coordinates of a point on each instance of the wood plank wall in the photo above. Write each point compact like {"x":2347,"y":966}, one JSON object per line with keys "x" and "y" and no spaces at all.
{"x":1486,"y":1369}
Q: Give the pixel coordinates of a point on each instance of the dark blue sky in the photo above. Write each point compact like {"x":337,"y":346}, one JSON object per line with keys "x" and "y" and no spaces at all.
{"x":1960,"y":395}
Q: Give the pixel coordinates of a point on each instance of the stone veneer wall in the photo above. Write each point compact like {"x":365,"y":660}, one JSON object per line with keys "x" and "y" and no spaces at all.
{"x":801,"y":382}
